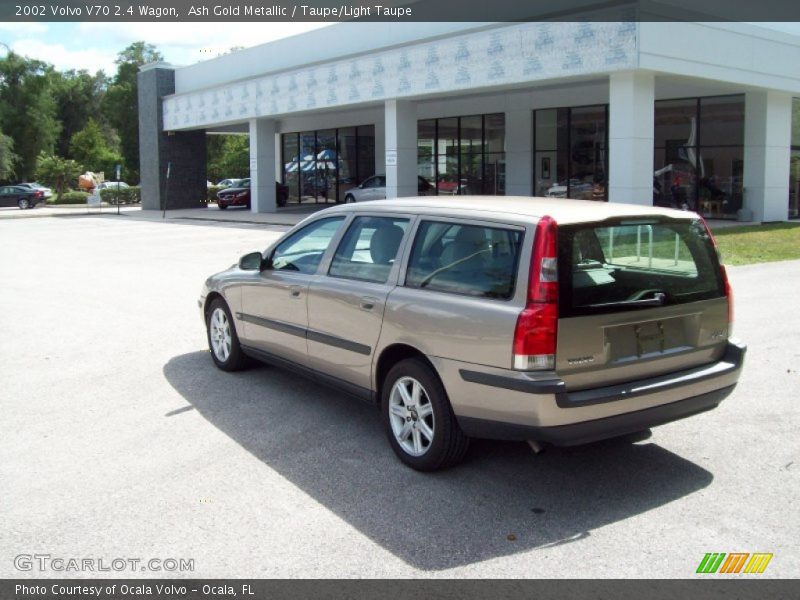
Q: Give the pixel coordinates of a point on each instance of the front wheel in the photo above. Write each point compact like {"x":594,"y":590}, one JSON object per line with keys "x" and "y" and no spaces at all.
{"x":222,"y":339}
{"x":349,"y":198}
{"x":24,"y":203}
{"x":222,"y":206}
{"x":418,"y":419}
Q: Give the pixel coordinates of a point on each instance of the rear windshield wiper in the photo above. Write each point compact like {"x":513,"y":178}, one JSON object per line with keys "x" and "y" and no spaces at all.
{"x":658,"y":299}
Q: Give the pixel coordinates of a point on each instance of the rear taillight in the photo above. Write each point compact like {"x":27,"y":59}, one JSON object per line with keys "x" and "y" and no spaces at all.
{"x":726,"y":284}
{"x":729,"y":294}
{"x":536,"y":333}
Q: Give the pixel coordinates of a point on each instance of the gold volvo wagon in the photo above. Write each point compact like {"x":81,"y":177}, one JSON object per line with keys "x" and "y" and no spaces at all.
{"x":551,"y":321}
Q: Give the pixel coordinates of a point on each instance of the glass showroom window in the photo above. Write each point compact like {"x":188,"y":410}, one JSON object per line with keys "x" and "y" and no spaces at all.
{"x":320,"y":166}
{"x":570,"y":159}
{"x":462,"y":155}
{"x":699,"y":149}
{"x":794,"y":162}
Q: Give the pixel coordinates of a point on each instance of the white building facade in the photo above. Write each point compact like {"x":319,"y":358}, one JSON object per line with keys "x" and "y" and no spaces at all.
{"x":696,"y":115}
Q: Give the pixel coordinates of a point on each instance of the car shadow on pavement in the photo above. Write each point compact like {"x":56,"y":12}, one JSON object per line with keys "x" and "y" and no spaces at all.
{"x":502,"y":500}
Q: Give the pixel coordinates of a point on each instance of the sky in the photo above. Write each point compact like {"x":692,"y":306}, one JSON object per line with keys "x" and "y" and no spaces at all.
{"x":94,"y":46}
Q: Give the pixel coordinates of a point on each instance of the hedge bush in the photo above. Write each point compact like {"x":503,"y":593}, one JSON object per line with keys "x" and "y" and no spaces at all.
{"x":71,"y":197}
{"x":126,"y":195}
{"x":212,"y":192}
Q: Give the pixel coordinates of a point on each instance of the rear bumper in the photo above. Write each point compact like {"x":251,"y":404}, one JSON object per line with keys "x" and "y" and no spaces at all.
{"x":516,"y":406}
{"x":598,"y":429}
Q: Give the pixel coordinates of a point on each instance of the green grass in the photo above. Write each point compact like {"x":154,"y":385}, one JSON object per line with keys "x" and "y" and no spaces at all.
{"x":748,"y":244}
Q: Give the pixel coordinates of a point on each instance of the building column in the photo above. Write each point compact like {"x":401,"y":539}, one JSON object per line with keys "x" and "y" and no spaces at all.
{"x":767,"y":152}
{"x":630,"y":137}
{"x":262,"y":166}
{"x":400,"y":157}
{"x":380,"y":149}
{"x":182,"y":153}
{"x":519,"y":153}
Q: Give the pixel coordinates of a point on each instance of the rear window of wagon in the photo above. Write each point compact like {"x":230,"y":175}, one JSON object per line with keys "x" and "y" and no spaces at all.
{"x":628,"y":264}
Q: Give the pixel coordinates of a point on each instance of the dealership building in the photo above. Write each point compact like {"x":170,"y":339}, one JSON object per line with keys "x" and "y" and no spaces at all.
{"x":688,"y":114}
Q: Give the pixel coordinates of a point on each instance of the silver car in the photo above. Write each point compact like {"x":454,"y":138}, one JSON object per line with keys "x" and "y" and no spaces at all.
{"x":374,"y":188}
{"x":509,"y":318}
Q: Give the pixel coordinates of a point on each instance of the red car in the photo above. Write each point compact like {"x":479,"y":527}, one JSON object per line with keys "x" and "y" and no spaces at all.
{"x":240,"y":195}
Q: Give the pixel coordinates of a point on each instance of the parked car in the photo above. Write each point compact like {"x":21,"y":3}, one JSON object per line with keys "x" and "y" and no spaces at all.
{"x":37,"y":186}
{"x":374,"y":188}
{"x":23,"y":197}
{"x":240,"y":195}
{"x":109,"y":185}
{"x":508,"y":318}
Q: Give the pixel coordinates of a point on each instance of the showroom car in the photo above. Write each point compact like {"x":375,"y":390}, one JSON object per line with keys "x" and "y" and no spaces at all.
{"x":507,"y":318}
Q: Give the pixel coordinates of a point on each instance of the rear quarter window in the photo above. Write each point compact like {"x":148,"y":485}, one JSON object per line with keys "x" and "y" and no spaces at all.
{"x":612,"y":267}
{"x":473,"y":260}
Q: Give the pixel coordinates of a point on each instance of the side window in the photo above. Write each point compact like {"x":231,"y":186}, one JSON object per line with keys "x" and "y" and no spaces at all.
{"x":371,"y":182}
{"x":303,"y":250}
{"x":474,"y":260}
{"x":369,"y":248}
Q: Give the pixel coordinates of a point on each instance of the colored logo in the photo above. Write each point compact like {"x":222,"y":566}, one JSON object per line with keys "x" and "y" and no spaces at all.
{"x":734,"y":562}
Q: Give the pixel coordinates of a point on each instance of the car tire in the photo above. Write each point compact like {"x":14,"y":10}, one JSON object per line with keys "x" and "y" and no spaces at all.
{"x":349,"y":198}
{"x":222,"y":206}
{"x":418,"y":419}
{"x":24,"y":203}
{"x":222,"y":339}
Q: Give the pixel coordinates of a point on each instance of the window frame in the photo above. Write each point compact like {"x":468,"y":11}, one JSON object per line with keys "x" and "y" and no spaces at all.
{"x":568,"y":148}
{"x":699,"y":145}
{"x":457,"y":153}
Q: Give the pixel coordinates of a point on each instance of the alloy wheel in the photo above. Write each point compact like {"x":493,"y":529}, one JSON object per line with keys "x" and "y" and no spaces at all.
{"x":411,"y":416}
{"x":220,"y":334}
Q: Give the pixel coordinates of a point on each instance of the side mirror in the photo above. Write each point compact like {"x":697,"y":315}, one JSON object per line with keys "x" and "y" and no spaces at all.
{"x":252,"y":262}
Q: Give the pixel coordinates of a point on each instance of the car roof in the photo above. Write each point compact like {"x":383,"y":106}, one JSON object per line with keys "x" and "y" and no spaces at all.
{"x":564,"y":211}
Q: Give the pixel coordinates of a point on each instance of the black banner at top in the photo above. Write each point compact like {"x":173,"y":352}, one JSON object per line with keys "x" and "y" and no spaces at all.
{"x":398,"y":10}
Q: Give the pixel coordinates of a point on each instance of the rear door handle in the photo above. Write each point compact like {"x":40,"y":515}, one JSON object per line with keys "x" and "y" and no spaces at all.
{"x":295,"y":290}
{"x":368,"y":303}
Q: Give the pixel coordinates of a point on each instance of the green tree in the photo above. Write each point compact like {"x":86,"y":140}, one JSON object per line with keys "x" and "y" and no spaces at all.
{"x":57,"y":172}
{"x":27,"y":110}
{"x":89,"y":147}
{"x":227,"y":156}
{"x":7,"y":156}
{"x":121,"y":101}
{"x":78,"y":96}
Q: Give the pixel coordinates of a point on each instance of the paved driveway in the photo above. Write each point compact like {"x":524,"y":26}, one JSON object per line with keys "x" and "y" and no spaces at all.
{"x":119,"y":439}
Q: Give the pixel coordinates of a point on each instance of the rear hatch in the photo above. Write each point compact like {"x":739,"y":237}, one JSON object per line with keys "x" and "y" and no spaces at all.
{"x":638,"y":298}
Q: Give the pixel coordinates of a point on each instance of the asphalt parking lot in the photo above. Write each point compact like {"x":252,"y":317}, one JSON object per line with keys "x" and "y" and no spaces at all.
{"x":119,"y":438}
